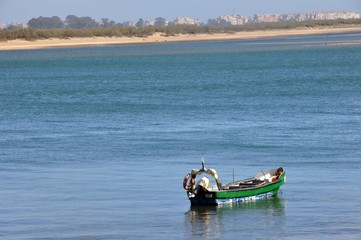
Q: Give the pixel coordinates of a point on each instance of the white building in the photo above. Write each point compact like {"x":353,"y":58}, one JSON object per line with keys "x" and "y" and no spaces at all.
{"x":232,"y":20}
{"x":264,"y":18}
{"x":297,"y":17}
{"x":148,"y":22}
{"x":186,"y":21}
{"x":129,"y":24}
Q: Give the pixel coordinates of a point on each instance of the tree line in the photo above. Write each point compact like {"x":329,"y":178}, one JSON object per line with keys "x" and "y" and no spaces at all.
{"x":75,"y":22}
{"x":111,"y":29}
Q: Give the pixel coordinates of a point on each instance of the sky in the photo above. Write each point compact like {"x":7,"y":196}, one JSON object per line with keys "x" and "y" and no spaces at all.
{"x":132,"y":10}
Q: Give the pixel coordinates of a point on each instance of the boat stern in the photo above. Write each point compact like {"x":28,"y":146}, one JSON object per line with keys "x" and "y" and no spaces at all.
{"x":202,"y":197}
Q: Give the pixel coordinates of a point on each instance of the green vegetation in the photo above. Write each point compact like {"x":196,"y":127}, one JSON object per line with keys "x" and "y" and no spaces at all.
{"x":120,"y":31}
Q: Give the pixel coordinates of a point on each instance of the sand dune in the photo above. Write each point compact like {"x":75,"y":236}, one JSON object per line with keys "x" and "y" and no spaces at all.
{"x":160,"y":38}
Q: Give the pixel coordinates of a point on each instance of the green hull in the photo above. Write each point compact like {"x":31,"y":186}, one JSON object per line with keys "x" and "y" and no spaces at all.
{"x":252,"y":192}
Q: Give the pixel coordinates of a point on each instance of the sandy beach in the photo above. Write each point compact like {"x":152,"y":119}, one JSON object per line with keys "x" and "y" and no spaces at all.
{"x":161,"y":38}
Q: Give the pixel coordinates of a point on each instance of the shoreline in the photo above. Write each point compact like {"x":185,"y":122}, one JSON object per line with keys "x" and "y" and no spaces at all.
{"x":161,"y":38}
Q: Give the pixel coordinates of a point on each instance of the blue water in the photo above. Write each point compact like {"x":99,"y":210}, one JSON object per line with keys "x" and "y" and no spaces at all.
{"x":95,"y":142}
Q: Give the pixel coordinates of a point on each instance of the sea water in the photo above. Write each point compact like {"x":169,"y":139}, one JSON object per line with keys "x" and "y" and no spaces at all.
{"x":95,"y":142}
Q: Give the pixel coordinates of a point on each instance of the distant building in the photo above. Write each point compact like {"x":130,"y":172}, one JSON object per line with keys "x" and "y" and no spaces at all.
{"x":269,"y":18}
{"x":266,"y":18}
{"x":332,"y":15}
{"x":21,"y":25}
{"x":129,"y":24}
{"x":148,"y":22}
{"x":186,"y":21}
{"x":229,"y":20}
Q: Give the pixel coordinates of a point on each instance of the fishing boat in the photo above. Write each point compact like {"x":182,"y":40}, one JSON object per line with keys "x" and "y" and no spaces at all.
{"x":263,"y":185}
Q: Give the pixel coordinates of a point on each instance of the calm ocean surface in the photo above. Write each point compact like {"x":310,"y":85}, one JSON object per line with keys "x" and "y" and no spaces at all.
{"x":95,"y":142}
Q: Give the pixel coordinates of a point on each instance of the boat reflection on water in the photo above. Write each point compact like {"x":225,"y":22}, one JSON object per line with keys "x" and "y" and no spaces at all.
{"x":250,"y":219}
